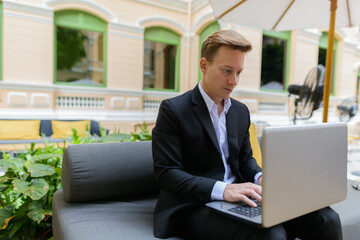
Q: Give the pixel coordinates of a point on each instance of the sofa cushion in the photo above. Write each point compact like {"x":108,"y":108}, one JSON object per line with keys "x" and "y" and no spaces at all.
{"x":63,"y":129}
{"x":349,"y":212}
{"x":126,"y":219}
{"x":107,"y":170}
{"x":19,"y":129}
{"x":255,"y":146}
{"x":46,"y":128}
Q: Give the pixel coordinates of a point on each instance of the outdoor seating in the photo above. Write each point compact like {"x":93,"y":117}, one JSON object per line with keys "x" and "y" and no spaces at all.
{"x":16,"y":143}
{"x":109,"y":192}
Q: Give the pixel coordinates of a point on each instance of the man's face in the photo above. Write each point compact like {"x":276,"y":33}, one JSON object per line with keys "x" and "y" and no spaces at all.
{"x":222,"y":75}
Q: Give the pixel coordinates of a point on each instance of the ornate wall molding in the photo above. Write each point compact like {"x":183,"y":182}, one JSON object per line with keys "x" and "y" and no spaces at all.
{"x":27,"y":8}
{"x":165,"y":20}
{"x":109,"y":14}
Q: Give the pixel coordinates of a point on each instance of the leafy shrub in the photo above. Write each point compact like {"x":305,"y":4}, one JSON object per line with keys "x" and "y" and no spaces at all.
{"x":32,"y":177}
{"x":27,"y":189}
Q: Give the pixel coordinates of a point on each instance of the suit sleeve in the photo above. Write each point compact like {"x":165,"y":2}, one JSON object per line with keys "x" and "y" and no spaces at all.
{"x":168,"y":163}
{"x":248,"y":165}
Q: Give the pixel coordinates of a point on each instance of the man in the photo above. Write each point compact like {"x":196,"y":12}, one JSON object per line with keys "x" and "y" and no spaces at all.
{"x":202,"y":152}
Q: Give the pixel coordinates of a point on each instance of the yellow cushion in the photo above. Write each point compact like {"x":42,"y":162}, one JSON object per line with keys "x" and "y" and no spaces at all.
{"x":19,"y":129}
{"x":255,"y":144}
{"x":63,"y":129}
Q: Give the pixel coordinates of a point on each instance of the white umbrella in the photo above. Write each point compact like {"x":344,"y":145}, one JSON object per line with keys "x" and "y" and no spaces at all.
{"x":281,"y":15}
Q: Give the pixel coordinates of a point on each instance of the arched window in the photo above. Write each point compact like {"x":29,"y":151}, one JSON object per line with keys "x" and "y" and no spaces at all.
{"x":161,"y":59}
{"x":275,"y":60}
{"x":80,"y":48}
{"x":211,"y":28}
{"x":323,"y":45}
{"x":1,"y":29}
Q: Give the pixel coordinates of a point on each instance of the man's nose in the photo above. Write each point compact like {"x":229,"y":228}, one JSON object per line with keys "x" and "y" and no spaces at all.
{"x":233,"y":79}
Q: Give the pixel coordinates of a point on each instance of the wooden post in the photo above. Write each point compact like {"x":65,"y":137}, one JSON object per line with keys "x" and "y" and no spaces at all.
{"x":329,"y":60}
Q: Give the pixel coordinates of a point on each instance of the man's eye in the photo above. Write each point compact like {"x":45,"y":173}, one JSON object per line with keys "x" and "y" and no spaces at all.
{"x":238,"y":73}
{"x":226,"y":71}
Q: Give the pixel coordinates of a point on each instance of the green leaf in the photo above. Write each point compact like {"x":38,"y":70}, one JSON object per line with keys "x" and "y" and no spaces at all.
{"x":38,"y":158}
{"x":6,"y":213}
{"x":145,"y":136}
{"x":5,"y":155}
{"x":23,"y":175}
{"x":58,"y":171}
{"x":39,"y":170}
{"x":37,"y":212}
{"x":36,"y":189}
{"x":21,"y":212}
{"x":28,"y":156}
{"x":32,"y":147}
{"x":15,"y":164}
{"x":4,"y":179}
{"x":3,"y":187}
{"x":117,"y":137}
{"x":16,"y":228}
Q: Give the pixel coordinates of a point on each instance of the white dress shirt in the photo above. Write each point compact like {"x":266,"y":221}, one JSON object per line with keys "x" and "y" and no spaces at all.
{"x":219,"y":123}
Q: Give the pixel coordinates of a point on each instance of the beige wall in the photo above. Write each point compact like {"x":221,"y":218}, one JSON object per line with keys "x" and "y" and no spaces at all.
{"x":251,"y":77}
{"x":27,"y":49}
{"x":199,"y":20}
{"x":304,"y":56}
{"x":346,"y":79}
{"x":125,"y":62}
{"x":133,"y":11}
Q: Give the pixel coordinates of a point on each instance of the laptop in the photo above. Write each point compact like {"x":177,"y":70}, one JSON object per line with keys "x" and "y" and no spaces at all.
{"x":304,"y":169}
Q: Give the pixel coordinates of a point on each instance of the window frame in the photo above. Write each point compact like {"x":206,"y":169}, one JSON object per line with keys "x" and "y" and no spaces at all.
{"x":85,"y":21}
{"x":166,"y":36}
{"x":285,"y":35}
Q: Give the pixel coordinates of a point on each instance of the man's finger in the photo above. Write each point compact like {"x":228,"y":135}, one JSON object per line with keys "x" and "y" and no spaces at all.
{"x":256,"y":196}
{"x":253,"y":194}
{"x":248,"y":201}
{"x":256,"y":188}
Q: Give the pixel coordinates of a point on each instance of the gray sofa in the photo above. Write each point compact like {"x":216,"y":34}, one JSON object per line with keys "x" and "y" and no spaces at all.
{"x":109,"y":192}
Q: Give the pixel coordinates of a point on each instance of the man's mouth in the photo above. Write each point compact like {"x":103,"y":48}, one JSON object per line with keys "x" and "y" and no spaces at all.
{"x":229,"y":89}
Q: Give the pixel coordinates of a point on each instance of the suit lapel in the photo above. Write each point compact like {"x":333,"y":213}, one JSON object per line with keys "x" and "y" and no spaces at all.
{"x":202,"y":113}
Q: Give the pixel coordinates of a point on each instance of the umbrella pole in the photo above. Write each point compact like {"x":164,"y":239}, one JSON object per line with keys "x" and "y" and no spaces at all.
{"x":329,"y":60}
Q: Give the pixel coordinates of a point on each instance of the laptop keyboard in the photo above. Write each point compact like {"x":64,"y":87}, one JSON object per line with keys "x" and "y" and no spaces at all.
{"x":246,"y":210}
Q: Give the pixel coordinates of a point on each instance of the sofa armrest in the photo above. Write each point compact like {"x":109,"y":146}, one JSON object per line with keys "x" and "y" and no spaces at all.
{"x":107,"y":170}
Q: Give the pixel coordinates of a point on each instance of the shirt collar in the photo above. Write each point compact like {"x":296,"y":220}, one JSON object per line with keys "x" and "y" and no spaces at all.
{"x":210,"y":103}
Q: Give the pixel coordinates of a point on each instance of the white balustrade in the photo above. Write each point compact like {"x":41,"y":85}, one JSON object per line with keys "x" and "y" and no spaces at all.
{"x":79,"y":102}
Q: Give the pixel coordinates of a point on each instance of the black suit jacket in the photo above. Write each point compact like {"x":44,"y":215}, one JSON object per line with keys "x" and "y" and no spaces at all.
{"x":187,"y":158}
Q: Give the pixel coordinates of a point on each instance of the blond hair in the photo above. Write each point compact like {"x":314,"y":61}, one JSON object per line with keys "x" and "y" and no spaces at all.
{"x":229,"y":38}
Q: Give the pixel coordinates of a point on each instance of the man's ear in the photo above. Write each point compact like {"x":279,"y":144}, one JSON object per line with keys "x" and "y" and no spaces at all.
{"x":203,"y":65}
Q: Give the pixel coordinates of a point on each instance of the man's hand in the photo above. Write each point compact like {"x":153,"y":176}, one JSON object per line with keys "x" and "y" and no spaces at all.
{"x":243,"y":192}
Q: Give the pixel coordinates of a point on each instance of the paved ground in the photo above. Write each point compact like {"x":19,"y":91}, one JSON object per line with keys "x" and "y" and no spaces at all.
{"x":354,"y":162}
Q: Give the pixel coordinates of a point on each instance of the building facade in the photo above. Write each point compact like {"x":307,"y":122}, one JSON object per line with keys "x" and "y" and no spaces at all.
{"x":114,"y":61}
